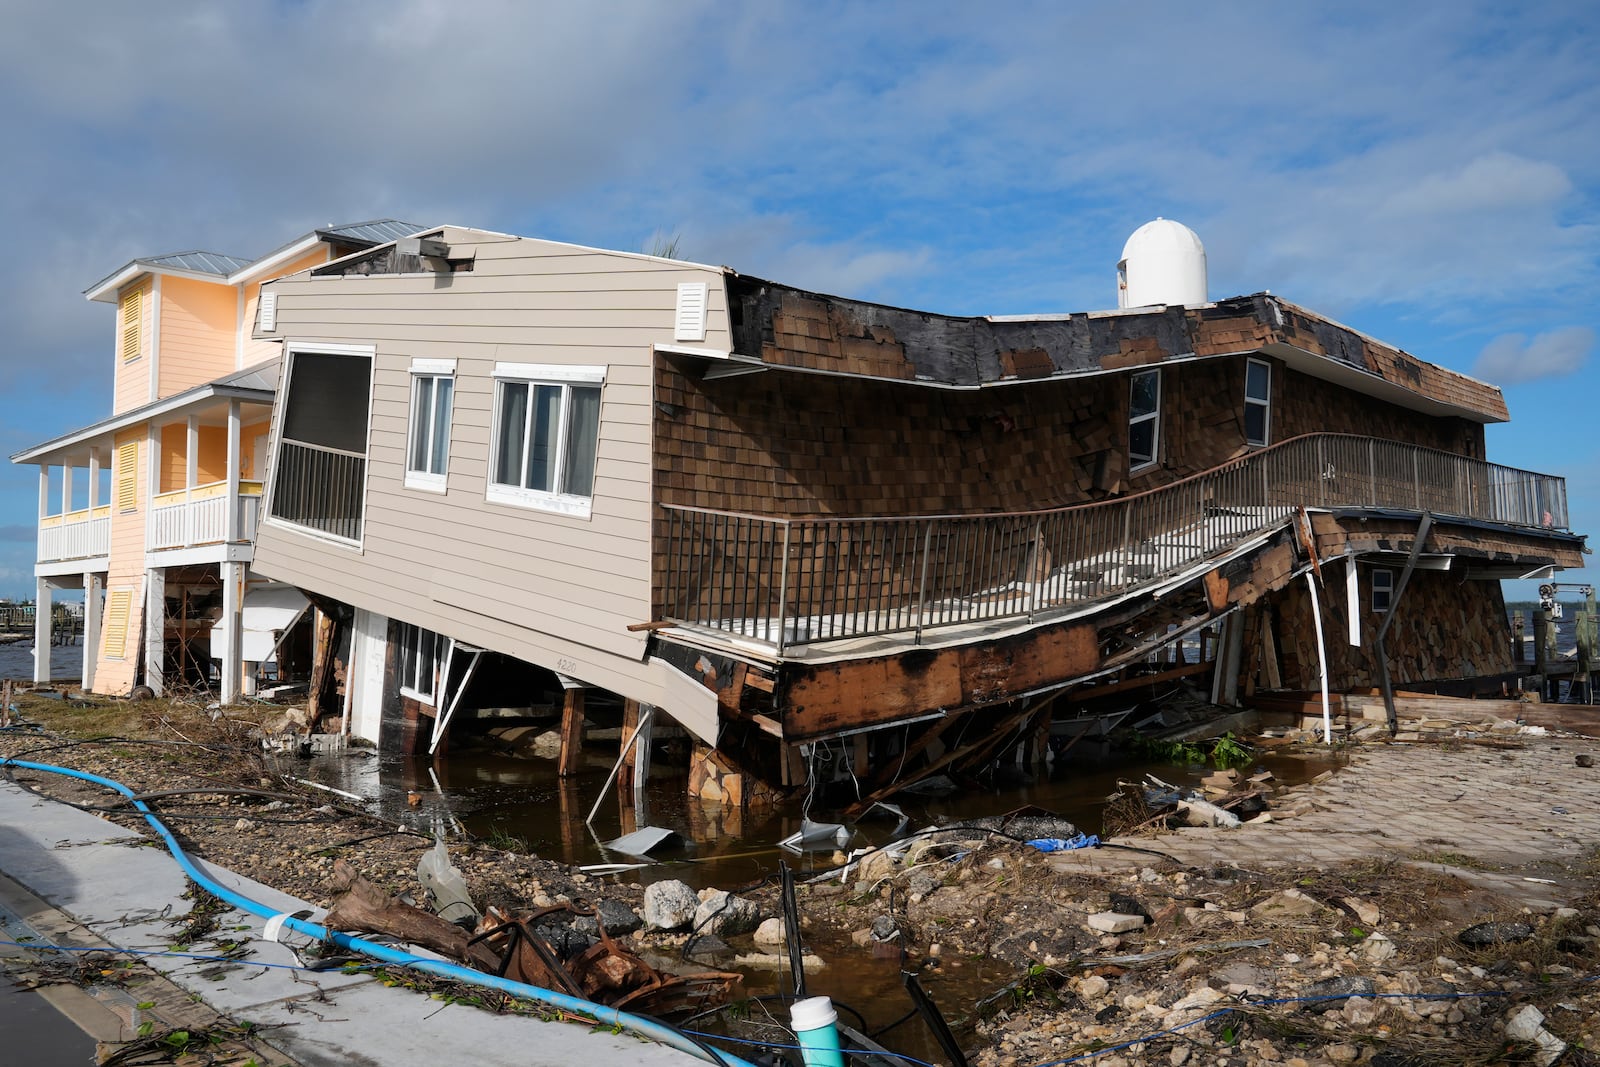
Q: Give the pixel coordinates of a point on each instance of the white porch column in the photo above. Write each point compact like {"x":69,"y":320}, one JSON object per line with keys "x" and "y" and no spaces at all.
{"x":66,"y":488}
{"x":42,"y":605}
{"x":232,"y":533}
{"x":233,"y":618}
{"x":94,"y":479}
{"x":94,"y":587}
{"x":191,"y":471}
{"x":44,"y":508}
{"x":155,"y":629}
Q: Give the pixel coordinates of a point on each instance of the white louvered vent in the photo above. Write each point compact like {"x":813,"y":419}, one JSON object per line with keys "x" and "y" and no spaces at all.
{"x":267,"y":321}
{"x":691,"y":322}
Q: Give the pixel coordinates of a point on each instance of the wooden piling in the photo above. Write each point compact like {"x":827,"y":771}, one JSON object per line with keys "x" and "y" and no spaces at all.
{"x":571,"y":733}
{"x":630,"y":746}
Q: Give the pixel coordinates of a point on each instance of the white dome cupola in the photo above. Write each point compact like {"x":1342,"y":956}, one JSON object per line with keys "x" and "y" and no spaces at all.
{"x":1162,"y":263}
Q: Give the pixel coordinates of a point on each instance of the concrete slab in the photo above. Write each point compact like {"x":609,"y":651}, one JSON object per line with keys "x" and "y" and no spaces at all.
{"x":97,"y":874}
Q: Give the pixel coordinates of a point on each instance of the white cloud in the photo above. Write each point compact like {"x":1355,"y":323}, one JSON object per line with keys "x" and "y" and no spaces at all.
{"x":1512,"y":358}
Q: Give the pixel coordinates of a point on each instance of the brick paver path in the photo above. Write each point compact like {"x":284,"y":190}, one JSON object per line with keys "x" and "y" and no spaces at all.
{"x":1433,"y":802}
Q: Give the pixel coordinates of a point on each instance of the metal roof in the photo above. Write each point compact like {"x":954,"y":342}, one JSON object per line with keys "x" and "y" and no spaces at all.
{"x":216,"y":265}
{"x":257,"y":384}
{"x":377,"y":231}
{"x":199,"y":262}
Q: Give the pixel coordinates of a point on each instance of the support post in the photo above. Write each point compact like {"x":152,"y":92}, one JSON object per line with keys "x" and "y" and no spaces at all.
{"x":625,"y":759}
{"x":231,"y":533}
{"x":1541,"y":654}
{"x":233,"y":647}
{"x":155,"y":630}
{"x":42,"y":611}
{"x":191,"y":474}
{"x":571,"y":733}
{"x":94,"y":587}
{"x":66,"y":489}
{"x":94,"y":480}
{"x":44,"y":508}
{"x":1388,"y":618}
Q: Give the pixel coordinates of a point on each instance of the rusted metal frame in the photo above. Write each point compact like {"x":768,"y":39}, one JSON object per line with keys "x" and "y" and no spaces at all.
{"x":1388,"y":619}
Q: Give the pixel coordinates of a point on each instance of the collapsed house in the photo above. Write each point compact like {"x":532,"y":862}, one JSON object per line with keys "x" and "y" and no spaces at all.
{"x":511,"y":471}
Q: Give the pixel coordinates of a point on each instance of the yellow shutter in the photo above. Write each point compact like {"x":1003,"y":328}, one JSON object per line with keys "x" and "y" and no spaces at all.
{"x":118,"y":606}
{"x":128,"y":476}
{"x":132,"y":322}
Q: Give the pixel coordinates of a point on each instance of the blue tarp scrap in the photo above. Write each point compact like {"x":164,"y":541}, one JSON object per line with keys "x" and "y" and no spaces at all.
{"x":1058,"y":844}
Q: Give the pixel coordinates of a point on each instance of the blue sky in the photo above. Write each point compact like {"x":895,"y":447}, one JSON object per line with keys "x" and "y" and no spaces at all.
{"x":1426,"y":173}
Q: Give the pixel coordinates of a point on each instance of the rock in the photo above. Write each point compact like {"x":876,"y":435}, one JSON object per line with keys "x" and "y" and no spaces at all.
{"x":919,"y":885}
{"x":618,"y":919}
{"x":1288,"y":904}
{"x":1494,"y":934}
{"x":669,"y":905}
{"x":876,"y":866}
{"x":1111,"y":922}
{"x":777,"y":961}
{"x":1126,"y":905}
{"x":1337,"y":992}
{"x":770,"y":932}
{"x":1239,"y":978}
{"x":547,"y":745}
{"x":1365,"y":910}
{"x":1585,"y":760}
{"x":1361,"y":1012}
{"x":884,"y":928}
{"x":1342,"y":1053}
{"x":1202,"y":997}
{"x":1093,"y":987}
{"x":861,"y":938}
{"x":726,"y":915}
{"x":1178,"y":1056}
{"x":244,"y":824}
{"x":1378,"y":948}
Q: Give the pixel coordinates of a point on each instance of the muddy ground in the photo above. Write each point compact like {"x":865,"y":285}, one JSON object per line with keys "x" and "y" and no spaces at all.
{"x":1139,"y":959}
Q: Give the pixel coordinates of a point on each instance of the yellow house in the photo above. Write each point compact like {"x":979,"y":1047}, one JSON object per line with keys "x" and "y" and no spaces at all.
{"x":153,"y":511}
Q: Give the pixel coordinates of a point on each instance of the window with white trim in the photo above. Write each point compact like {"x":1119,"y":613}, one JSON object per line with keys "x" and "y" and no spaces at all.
{"x":428,"y":442}
{"x":419,"y":662}
{"x":1382,"y":589}
{"x":1144,"y":419}
{"x":546,"y":435}
{"x":1257,"y":402}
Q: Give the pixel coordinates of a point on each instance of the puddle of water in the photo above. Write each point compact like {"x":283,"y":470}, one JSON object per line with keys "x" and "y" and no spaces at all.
{"x":39,"y":1035}
{"x":522,"y":803}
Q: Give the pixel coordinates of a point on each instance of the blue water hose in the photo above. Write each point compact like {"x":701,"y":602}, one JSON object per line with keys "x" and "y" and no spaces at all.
{"x":637,"y":1024}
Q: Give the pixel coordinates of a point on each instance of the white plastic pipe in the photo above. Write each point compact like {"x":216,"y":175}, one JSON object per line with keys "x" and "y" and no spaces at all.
{"x":1322,"y":659}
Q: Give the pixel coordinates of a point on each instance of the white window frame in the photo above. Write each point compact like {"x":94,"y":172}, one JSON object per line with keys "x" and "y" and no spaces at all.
{"x":535,"y":374}
{"x":1152,"y":416}
{"x":1382,"y":589}
{"x":429,"y":481}
{"x":1264,"y":404}
{"x":412,"y":682}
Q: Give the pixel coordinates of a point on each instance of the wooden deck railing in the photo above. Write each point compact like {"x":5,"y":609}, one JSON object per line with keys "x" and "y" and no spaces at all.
{"x":789,"y":582}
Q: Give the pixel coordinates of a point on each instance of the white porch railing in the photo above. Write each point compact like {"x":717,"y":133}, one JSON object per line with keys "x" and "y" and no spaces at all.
{"x":199,"y":516}
{"x":77,"y":535}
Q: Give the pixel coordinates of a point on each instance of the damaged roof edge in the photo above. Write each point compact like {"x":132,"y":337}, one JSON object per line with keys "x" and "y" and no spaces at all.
{"x":785,"y":326}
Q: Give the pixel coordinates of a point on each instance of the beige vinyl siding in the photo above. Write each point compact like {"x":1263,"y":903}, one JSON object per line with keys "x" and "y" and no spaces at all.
{"x":115,"y":670}
{"x":132,"y":382}
{"x":199,"y":331}
{"x":255,"y":351}
{"x":553,"y":589}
